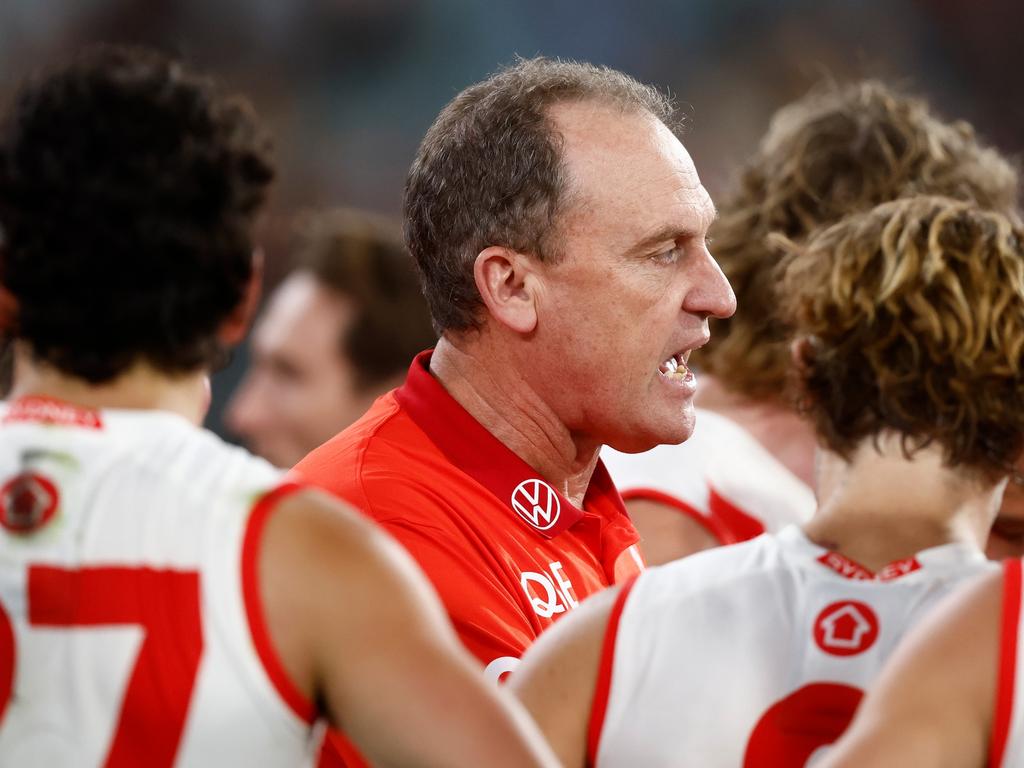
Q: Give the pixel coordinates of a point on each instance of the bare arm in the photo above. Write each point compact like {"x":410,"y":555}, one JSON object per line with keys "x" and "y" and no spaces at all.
{"x":558,"y":675}
{"x":358,"y":628}
{"x":933,"y":704}
{"x":666,"y":532}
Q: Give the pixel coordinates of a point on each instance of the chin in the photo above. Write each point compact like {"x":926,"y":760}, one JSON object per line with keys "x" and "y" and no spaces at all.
{"x":678,"y":431}
{"x":640,"y":440}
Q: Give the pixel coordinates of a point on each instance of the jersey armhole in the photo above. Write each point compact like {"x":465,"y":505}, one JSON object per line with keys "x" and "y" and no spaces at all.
{"x":265,"y":651}
{"x":711,"y":524}
{"x":742,"y":526}
{"x":1006,"y":681}
{"x":603,"y":686}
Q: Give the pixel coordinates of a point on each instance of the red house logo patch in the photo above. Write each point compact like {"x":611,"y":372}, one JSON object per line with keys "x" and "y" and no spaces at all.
{"x":846,"y":628}
{"x":27,"y":502}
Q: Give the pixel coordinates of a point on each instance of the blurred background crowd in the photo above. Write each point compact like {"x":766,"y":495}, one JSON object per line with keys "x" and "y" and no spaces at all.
{"x":348,"y":88}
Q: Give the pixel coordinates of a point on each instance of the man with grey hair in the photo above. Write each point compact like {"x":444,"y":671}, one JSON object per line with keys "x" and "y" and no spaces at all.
{"x":560,"y":230}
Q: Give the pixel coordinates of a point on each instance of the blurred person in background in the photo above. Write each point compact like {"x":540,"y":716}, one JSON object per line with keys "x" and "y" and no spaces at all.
{"x":749,"y":465}
{"x":339,"y":332}
{"x":166,"y":598}
{"x":908,"y":324}
{"x":559,"y":226}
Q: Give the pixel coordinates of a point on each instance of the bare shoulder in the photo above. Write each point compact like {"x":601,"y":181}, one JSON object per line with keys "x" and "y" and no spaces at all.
{"x":318,"y":540}
{"x":570,"y":647}
{"x":360,"y":630}
{"x":559,"y":675}
{"x":326,"y":574}
{"x":668,"y":532}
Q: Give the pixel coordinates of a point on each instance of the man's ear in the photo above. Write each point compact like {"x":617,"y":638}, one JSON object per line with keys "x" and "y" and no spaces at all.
{"x":507,"y":284}
{"x":801,"y":353}
{"x":236,"y":325}
{"x":8,"y":311}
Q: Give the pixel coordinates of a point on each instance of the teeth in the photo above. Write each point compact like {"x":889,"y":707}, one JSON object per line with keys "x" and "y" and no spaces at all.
{"x":674,"y":366}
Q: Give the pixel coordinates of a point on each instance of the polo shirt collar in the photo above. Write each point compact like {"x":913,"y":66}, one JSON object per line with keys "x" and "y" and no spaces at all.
{"x":468,"y":445}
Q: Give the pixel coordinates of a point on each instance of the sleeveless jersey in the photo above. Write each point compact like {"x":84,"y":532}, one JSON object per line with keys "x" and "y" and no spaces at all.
{"x":721,"y":476}
{"x":130,"y":627}
{"x":755,"y":654}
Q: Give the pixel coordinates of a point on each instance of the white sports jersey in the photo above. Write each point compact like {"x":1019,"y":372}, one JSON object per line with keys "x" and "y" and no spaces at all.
{"x":755,"y":654}
{"x":721,"y":476}
{"x":1007,"y":743}
{"x":130,"y":627}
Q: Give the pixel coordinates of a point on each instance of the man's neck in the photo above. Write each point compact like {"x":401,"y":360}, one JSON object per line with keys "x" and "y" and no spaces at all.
{"x":506,"y":405}
{"x":881,"y":507}
{"x":139,"y":388}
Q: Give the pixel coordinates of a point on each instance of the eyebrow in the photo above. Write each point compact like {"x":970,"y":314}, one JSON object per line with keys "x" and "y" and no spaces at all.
{"x":665,"y":235}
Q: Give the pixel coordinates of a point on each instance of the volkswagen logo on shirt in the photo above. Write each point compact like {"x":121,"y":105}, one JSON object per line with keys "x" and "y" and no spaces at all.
{"x":537,"y":503}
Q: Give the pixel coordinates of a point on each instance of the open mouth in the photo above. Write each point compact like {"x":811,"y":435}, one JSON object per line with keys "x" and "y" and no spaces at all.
{"x":675,"y":366}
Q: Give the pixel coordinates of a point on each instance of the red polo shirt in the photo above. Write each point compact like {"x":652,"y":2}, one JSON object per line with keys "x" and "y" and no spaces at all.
{"x":506,"y":552}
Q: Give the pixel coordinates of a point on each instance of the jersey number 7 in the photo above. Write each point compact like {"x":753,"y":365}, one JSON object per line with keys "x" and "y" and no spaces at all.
{"x":165,"y":604}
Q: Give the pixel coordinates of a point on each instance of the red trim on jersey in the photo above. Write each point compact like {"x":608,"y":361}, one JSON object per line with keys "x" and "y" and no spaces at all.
{"x":712,"y":525}
{"x":1006,"y":681}
{"x":8,"y":655}
{"x":468,"y":445}
{"x":851,"y":569}
{"x":898,"y":568}
{"x":741,"y":524}
{"x":603,"y":685}
{"x":50,"y":410}
{"x":275,"y":670}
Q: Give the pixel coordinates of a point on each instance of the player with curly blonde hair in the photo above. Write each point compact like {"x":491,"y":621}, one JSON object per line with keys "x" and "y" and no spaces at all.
{"x":749,"y":464}
{"x":908,"y":328}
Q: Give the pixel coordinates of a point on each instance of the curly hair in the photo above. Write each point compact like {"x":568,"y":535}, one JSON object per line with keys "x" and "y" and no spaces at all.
{"x":362,"y":257}
{"x":914,"y":314}
{"x":489,"y":172}
{"x":836,"y":151}
{"x":128,"y":190}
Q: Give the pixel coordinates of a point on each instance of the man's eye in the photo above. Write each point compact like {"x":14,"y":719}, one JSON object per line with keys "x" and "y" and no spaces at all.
{"x":668,"y":256}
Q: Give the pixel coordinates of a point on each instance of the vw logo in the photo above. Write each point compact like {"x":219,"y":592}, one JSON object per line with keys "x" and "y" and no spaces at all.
{"x":537,"y":503}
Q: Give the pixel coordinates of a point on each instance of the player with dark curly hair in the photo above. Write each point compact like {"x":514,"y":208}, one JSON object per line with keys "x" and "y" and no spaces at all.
{"x":165,"y":598}
{"x":749,"y":465}
{"x":908,"y":325}
{"x":129,"y":188}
